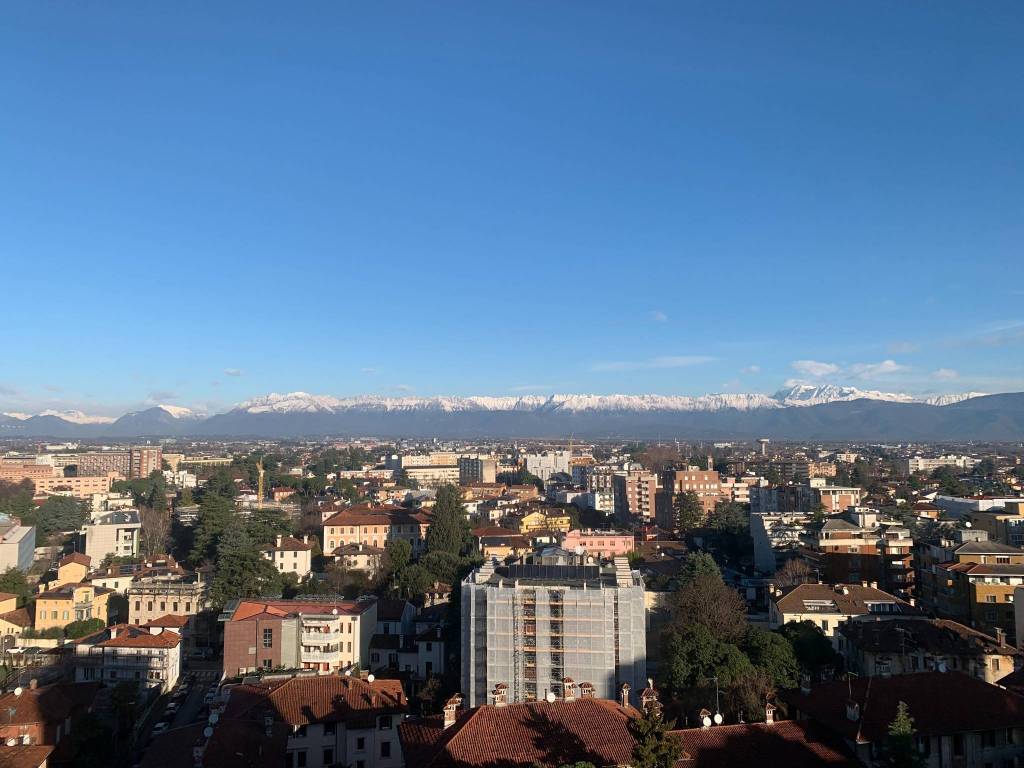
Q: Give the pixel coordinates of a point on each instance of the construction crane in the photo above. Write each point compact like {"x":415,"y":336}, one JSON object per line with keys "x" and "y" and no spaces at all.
{"x":259,"y":484}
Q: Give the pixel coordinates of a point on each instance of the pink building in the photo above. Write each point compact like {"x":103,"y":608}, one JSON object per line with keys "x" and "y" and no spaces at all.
{"x":600,"y":543}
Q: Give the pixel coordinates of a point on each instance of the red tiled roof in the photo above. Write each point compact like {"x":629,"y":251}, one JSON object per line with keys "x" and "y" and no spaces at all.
{"x":354,"y":516}
{"x":47,"y":704}
{"x":853,"y":603}
{"x":319,"y":699}
{"x":289,"y":544}
{"x":76,"y":557}
{"x":168,"y":620}
{"x":941,"y":703}
{"x":7,"y":596}
{"x":19,"y":616}
{"x":234,"y":744}
{"x":786,"y":744}
{"x":248,"y":609}
{"x":25,"y":756}
{"x":128,"y":636}
{"x":539,"y":733}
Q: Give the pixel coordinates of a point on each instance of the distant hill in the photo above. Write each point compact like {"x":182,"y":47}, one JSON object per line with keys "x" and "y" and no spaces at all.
{"x":789,"y":415}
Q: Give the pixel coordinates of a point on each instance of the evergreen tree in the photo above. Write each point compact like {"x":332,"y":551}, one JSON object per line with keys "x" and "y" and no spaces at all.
{"x":899,"y":749}
{"x":215,"y":514}
{"x":399,"y":554}
{"x":242,"y":571}
{"x":655,"y":747}
{"x":449,"y":527}
{"x":689,"y":511}
{"x":13,"y":582}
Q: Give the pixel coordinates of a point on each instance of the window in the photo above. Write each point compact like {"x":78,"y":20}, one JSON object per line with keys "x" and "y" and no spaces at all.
{"x":300,"y":759}
{"x":958,"y":745}
{"x":328,"y":731}
{"x":385,"y":749}
{"x":188,"y":607}
{"x":385,"y":722}
{"x":268,"y":638}
{"x":360,"y":744}
{"x":328,"y":756}
{"x":430,"y":647}
{"x":990,"y":598}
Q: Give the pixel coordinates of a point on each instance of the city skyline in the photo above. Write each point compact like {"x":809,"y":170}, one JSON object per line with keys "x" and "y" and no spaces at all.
{"x":217,"y":204}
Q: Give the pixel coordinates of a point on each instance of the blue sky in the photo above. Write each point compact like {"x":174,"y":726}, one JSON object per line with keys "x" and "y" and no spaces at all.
{"x":205,"y":202}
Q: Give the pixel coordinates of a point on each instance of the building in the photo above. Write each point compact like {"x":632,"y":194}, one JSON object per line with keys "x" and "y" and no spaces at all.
{"x":112,"y":533}
{"x":833,"y":498}
{"x":961,"y":506}
{"x":71,"y":569}
{"x":541,"y":520}
{"x":103,"y":463}
{"x":17,"y":544}
{"x":291,"y":555}
{"x":150,"y":657}
{"x":827,"y":606}
{"x":79,"y":487}
{"x":914,"y":464}
{"x":474,"y":470}
{"x":376,"y":526}
{"x":43,"y":716}
{"x":358,"y":557}
{"x":543,"y":465}
{"x":901,"y":645}
{"x":960,"y":720}
{"x":500,"y":543}
{"x":1004,"y":525}
{"x":531,"y":626}
{"x":433,"y":475}
{"x":158,"y":591}
{"x":66,"y":603}
{"x":333,"y":719}
{"x":634,"y":491}
{"x":145,"y":460}
{"x":703,"y":482}
{"x":598,"y":543}
{"x":322,"y":635}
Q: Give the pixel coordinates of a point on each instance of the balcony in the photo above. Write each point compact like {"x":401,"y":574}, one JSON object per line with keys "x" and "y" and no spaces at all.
{"x":320,"y":638}
{"x":323,"y":656}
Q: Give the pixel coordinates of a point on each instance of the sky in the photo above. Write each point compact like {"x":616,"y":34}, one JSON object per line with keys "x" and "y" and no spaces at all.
{"x":205,"y":202}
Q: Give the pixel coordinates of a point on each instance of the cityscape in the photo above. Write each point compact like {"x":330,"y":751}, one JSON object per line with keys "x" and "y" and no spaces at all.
{"x":512,"y":385}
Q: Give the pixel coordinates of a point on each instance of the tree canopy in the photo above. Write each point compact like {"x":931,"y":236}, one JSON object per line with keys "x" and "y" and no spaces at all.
{"x":449,"y":529}
{"x":689,"y":512}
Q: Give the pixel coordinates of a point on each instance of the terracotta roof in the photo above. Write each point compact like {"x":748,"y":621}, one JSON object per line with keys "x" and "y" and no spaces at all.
{"x":76,"y":557}
{"x":234,"y":744}
{"x":250,"y":608}
{"x":786,"y":744}
{"x":987,"y":548}
{"x":539,"y":733}
{"x":168,"y":620}
{"x":357,"y":549}
{"x":19,"y":616}
{"x":364,"y":514}
{"x":24,"y":756}
{"x":1014,"y":681}
{"x":492,"y":530}
{"x":47,"y":704}
{"x":8,"y":596}
{"x":853,"y":603}
{"x":938,"y":636}
{"x":129,"y":636}
{"x":67,"y":591}
{"x":289,"y":544}
{"x":941,"y":703}
{"x":320,"y":699}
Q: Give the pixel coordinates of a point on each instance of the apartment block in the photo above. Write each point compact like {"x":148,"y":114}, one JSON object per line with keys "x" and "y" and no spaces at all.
{"x":102,"y":463}
{"x":634,"y":491}
{"x":112,"y":533}
{"x":323,"y":635}
{"x":531,"y":627}
{"x":147,"y":657}
{"x":291,"y":555}
{"x":473,"y":470}
{"x":703,"y":482}
{"x":17,"y":544}
{"x":376,"y":526}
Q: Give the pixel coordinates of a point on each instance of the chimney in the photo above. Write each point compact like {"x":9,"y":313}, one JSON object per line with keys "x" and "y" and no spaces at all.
{"x":649,"y":697}
{"x":451,"y":709}
{"x":873,"y":584}
{"x":586,"y":690}
{"x":769,"y":713}
{"x":279,"y":538}
{"x":568,"y":689}
{"x":500,"y":695}
{"x":305,"y":539}
{"x":1000,"y":635}
{"x":624,"y":694}
{"x":33,"y":684}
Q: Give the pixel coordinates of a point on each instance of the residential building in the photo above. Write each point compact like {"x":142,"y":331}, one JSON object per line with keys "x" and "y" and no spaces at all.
{"x":79,"y":487}
{"x":903,"y":645}
{"x":703,"y":482}
{"x":120,"y":577}
{"x":827,"y":606}
{"x":323,"y":635}
{"x":547,"y":519}
{"x":333,"y":719}
{"x":66,"y":603}
{"x":17,"y":544}
{"x":1004,"y":525}
{"x":962,"y":506}
{"x":291,"y":555}
{"x":634,"y":491}
{"x":500,"y":543}
{"x":959,"y":720}
{"x":103,"y":463}
{"x":599,"y":543}
{"x":531,"y":626}
{"x":476,"y":470}
{"x":112,"y":533}
{"x":833,"y":498}
{"x":543,"y":465}
{"x":433,"y":475}
{"x":376,"y":526}
{"x":43,"y":716}
{"x":71,"y":569}
{"x":156,"y":592}
{"x":913,"y":464}
{"x":145,"y":460}
{"x":148,"y":657}
{"x":358,"y":557}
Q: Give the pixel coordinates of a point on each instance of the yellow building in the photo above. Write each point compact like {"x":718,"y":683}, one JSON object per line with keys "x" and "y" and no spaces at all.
{"x":62,"y":605}
{"x":12,"y":618}
{"x":72,"y":569}
{"x":542,"y":521}
{"x":1003,"y":525}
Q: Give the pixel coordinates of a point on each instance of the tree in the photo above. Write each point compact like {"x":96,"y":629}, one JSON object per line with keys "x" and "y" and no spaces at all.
{"x":696,"y":564}
{"x":899,"y":750}
{"x":729,"y":517}
{"x":57,"y":513}
{"x":264,"y":525}
{"x":449,"y":527}
{"x":413,"y":581}
{"x":655,"y":746}
{"x":398,"y":553}
{"x":812,"y":649}
{"x":185,"y":498}
{"x":709,"y":601}
{"x":689,"y":512}
{"x":82,"y":628}
{"x":155,"y":534}
{"x":442,"y":566}
{"x":792,"y":573}
{"x":215,"y":514}
{"x":14,"y":582}
{"x":241,"y":570}
{"x":693,"y":653}
{"x":772,"y":654}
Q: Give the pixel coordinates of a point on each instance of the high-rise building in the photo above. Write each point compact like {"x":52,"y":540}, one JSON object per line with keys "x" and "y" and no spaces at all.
{"x":531,"y":627}
{"x":474,"y":470}
{"x":99,"y":463}
{"x":144,"y":461}
{"x":634,"y":492}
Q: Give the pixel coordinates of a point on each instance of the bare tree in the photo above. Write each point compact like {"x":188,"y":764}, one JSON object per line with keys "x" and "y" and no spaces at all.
{"x":792,"y":573}
{"x":156,"y":531}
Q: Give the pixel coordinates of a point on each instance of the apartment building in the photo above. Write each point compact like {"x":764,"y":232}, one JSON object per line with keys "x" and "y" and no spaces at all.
{"x":326,"y":635}
{"x":475,"y":470}
{"x":144,"y":461}
{"x":376,"y":526}
{"x":434,"y":475}
{"x":16,"y":471}
{"x":102,"y":463}
{"x":634,"y":491}
{"x":834,"y":498}
{"x":157,"y":592}
{"x":544,"y":465}
{"x":291,"y":555}
{"x":703,"y":482}
{"x":914,"y":464}
{"x":66,"y":603}
{"x":79,"y":487}
{"x":333,"y":719}
{"x":549,"y":519}
{"x":599,"y":543}
{"x":112,"y":533}
{"x":17,"y":544}
{"x":827,"y":606}
{"x":1004,"y":525}
{"x":147,"y":657}
{"x":530,"y":627}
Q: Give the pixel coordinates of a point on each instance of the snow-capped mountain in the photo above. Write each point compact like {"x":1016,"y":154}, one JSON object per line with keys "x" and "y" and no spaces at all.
{"x":950,"y":399}
{"x":74,"y":417}
{"x":181,"y":412}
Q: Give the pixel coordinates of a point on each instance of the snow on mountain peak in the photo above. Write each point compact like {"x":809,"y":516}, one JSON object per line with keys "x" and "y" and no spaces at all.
{"x":180,"y":412}
{"x":77,"y":417}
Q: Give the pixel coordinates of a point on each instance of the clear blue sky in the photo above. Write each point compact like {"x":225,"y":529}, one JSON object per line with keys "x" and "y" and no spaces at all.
{"x":203,"y":202}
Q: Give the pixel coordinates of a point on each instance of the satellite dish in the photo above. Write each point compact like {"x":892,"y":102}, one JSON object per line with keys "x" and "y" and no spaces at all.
{"x":967,"y":524}
{"x":706,"y":721}
{"x":207,"y":731}
{"x":550,"y":697}
{"x":370,"y":678}
{"x":18,"y":691}
{"x":718,"y":718}
{"x":348,"y":673}
{"x":334,"y":611}
{"x":12,"y":742}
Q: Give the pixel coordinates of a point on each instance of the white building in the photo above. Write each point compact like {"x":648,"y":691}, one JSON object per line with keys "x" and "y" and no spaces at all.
{"x":291,"y":555}
{"x":544,"y":465}
{"x":112,"y":533}
{"x":930,"y":464}
{"x":150,"y":657}
{"x":17,"y":544}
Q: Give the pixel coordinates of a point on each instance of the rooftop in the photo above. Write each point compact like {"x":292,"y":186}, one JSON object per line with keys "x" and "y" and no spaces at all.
{"x":845,"y":599}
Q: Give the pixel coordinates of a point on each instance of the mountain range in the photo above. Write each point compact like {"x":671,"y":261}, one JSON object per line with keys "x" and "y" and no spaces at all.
{"x":800,"y":412}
